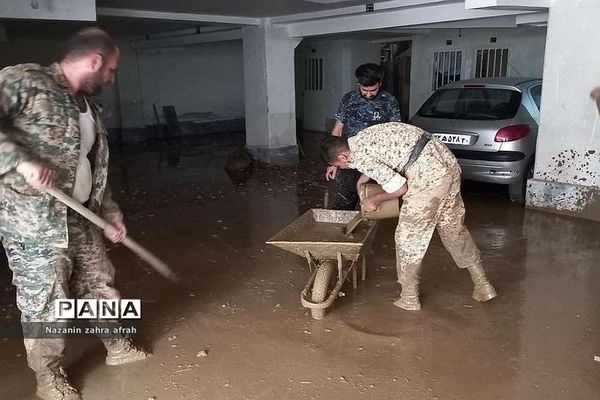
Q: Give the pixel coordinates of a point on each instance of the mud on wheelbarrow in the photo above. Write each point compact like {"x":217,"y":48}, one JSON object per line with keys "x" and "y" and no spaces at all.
{"x":318,"y":235}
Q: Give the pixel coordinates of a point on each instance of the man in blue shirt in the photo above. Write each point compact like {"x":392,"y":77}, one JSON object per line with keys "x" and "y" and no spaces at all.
{"x":360,"y":109}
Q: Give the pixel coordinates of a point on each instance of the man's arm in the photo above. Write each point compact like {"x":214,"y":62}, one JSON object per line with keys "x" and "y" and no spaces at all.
{"x":111,"y":212}
{"x":370,"y":204}
{"x":395,"y":115}
{"x":338,"y":128}
{"x":13,"y":93}
{"x":11,"y":105}
{"x":336,"y":131}
{"x":366,"y":162}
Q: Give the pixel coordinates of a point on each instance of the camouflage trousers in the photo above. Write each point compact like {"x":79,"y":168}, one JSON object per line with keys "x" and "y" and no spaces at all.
{"x":44,"y":274}
{"x":346,"y":196}
{"x":437,"y":206}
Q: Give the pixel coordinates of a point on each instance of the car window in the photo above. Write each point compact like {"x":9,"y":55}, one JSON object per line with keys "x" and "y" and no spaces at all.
{"x":472,"y":104}
{"x":536,"y":94}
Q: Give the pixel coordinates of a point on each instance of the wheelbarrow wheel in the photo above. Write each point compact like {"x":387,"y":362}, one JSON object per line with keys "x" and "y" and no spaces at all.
{"x":320,"y":289}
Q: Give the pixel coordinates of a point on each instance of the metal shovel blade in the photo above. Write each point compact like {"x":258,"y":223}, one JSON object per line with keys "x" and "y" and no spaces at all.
{"x":353,"y":223}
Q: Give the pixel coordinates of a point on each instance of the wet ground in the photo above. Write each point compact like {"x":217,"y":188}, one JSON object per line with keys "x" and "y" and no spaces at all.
{"x":239,"y":299}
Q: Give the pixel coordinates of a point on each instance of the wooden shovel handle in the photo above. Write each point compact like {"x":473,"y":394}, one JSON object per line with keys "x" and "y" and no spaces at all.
{"x":134,"y":246}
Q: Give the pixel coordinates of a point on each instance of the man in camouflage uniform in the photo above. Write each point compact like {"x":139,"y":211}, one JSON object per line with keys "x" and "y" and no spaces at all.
{"x":359,"y":109}
{"x":51,"y":134}
{"x":430,"y":188}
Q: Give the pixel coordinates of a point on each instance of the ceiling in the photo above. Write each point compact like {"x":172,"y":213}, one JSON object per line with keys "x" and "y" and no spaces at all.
{"x":239,"y":8}
{"x":60,"y":30}
{"x":304,"y":18}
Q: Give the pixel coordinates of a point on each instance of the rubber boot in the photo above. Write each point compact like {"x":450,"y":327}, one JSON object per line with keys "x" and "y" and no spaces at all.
{"x":53,"y":385}
{"x":123,"y":351}
{"x":409,"y":279}
{"x":483,"y":289}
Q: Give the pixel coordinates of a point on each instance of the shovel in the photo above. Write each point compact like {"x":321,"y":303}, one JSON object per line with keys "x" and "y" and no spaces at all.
{"x":134,"y":246}
{"x":353,"y":223}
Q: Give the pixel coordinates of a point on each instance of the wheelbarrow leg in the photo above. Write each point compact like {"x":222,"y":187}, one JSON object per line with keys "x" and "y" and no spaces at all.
{"x":354,"y":284}
{"x":364,"y":267}
{"x":309,"y":260}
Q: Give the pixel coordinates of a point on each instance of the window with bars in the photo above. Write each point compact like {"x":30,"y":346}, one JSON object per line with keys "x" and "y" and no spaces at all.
{"x":313,"y":74}
{"x":447,"y":67}
{"x":491,"y":63}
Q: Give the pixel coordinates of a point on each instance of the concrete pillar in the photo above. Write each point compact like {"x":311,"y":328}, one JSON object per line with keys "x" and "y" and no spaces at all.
{"x":270,"y":94}
{"x":567,"y":166}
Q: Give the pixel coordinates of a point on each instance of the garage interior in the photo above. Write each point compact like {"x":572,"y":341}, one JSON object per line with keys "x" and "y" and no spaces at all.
{"x":199,"y":81}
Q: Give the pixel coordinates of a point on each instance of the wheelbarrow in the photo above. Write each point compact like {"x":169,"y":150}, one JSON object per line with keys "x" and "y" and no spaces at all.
{"x":318,"y":236}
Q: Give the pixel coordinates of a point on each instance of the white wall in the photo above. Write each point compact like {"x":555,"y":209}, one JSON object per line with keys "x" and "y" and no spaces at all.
{"x":567,"y":165}
{"x":340,"y":59}
{"x":199,"y":78}
{"x":195,"y":79}
{"x":526,"y":44}
{"x":269,"y":95}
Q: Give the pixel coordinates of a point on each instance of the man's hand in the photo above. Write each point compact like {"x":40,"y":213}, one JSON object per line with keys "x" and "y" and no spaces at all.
{"x":331,"y":172}
{"x":400,"y":192}
{"x":115,"y":232}
{"x":369,"y":204}
{"x":36,"y":175}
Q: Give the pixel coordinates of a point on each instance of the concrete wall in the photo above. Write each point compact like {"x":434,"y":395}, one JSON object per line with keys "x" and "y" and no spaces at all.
{"x":204,"y":78}
{"x":28,"y":50}
{"x":567,"y":177}
{"x":44,"y":52}
{"x":340,"y":59}
{"x":268,"y":64}
{"x":526,"y":45}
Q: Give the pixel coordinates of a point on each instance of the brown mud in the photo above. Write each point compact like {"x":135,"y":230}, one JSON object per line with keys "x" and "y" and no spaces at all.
{"x":235,"y":329}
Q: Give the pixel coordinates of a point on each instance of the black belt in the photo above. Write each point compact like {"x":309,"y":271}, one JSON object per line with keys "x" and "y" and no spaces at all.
{"x":416,"y":152}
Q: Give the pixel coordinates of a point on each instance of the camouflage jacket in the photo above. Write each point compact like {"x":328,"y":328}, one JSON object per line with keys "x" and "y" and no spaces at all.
{"x":39,"y":121}
{"x":381,"y":151}
{"x":357,"y":113}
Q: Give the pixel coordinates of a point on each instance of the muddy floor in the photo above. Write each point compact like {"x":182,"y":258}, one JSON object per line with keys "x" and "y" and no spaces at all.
{"x":234,"y":328}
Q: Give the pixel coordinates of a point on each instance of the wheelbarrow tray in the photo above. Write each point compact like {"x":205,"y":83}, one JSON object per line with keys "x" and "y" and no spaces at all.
{"x":320,"y":232}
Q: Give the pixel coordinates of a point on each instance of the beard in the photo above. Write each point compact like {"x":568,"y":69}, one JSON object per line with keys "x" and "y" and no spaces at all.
{"x":92,"y":84}
{"x":370,"y":98}
{"x":367,"y":98}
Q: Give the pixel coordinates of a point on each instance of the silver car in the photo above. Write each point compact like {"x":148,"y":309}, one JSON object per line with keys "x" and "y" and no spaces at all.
{"x":491,"y":125}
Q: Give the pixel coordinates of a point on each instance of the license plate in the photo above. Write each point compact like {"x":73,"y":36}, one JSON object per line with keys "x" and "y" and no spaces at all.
{"x":450,"y":138}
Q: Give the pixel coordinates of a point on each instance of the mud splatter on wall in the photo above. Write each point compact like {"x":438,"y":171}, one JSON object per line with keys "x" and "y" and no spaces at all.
{"x":568,"y":183}
{"x":573,"y":167}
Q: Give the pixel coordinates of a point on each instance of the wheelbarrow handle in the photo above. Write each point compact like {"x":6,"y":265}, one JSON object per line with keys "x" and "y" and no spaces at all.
{"x":134,"y":246}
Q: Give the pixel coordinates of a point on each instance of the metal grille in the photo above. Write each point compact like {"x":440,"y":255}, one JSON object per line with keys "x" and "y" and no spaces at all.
{"x":313,"y":74}
{"x":492,"y":63}
{"x":447,"y":67}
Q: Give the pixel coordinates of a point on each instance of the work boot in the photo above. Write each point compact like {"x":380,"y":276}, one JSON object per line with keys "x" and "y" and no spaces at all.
{"x":53,"y":385}
{"x":409,"y":279}
{"x":123,"y":351}
{"x":409,"y":298}
{"x":483,"y":289}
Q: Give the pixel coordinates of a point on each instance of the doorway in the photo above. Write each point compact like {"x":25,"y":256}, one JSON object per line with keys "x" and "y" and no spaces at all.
{"x":395,"y":61}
